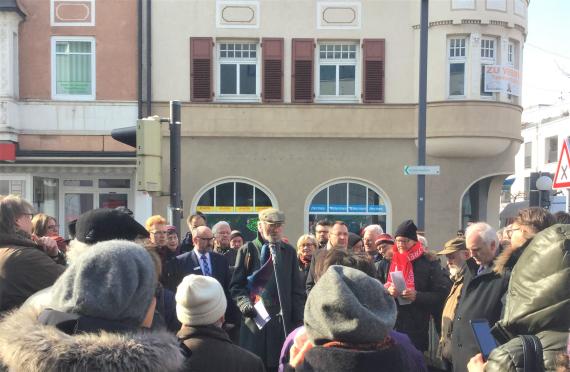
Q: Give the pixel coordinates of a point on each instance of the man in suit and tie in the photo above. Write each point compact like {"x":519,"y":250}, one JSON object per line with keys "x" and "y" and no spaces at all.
{"x":201,"y":260}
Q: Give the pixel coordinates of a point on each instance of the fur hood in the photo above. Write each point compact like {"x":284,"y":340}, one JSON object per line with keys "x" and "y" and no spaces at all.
{"x":27,"y":345}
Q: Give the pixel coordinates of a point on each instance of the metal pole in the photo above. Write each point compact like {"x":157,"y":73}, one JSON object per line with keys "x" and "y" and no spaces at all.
{"x":422,"y":113}
{"x":175,"y":197}
{"x":273,"y":252}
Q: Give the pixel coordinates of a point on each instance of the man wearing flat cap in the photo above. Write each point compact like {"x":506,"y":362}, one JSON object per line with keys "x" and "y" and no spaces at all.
{"x":458,"y":262}
{"x":426,"y":285}
{"x":266,"y":273}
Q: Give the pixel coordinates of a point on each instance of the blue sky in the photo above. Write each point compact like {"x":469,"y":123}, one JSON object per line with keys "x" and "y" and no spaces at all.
{"x":547,"y":47}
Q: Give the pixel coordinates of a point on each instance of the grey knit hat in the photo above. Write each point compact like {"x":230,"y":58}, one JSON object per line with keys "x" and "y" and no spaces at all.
{"x":349,"y":306}
{"x":115,"y":280}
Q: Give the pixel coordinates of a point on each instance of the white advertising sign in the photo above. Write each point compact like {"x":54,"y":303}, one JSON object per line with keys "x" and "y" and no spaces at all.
{"x":503,"y":79}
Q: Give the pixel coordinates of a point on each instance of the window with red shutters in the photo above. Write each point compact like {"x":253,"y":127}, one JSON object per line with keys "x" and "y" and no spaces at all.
{"x":373,"y":70}
{"x":302,"y":70}
{"x":201,"y":69}
{"x":272,"y":52}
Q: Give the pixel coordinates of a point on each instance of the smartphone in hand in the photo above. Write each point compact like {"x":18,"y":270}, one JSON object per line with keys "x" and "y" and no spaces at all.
{"x":482,"y":333}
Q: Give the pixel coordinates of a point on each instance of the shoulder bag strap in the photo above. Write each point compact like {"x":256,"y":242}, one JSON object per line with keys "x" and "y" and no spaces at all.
{"x":532,"y":353}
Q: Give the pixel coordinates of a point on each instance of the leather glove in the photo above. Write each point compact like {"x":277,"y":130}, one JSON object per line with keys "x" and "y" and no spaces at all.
{"x":247,"y":309}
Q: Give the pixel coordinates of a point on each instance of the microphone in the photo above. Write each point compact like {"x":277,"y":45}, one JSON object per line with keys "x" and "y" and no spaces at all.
{"x":272,"y":250}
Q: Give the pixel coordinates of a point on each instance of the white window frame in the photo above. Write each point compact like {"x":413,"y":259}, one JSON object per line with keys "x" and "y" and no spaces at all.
{"x":224,"y":180}
{"x":27,"y":179}
{"x":219,"y":61}
{"x":73,"y":97}
{"x":487,"y":60}
{"x":457,"y":59}
{"x":511,"y":53}
{"x":338,"y":62}
{"x":369,"y":185}
{"x":525,"y":154}
{"x":548,"y":149}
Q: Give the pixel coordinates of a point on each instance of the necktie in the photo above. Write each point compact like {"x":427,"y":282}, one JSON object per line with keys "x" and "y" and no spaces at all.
{"x":480,"y":270}
{"x":207,"y":270}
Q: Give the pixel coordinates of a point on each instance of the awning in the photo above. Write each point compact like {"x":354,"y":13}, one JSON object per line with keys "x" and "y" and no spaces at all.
{"x":508,"y":182}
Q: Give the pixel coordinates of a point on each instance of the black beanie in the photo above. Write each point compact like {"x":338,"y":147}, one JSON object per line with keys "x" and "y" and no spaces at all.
{"x":408,"y":230}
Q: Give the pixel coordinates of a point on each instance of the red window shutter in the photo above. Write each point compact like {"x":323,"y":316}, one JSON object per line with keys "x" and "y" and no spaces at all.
{"x":272,"y":52}
{"x":201,"y":69}
{"x":373,"y":74}
{"x":302,"y":68}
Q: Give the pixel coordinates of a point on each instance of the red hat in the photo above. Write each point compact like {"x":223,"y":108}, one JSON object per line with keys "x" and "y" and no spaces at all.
{"x":384,"y":238}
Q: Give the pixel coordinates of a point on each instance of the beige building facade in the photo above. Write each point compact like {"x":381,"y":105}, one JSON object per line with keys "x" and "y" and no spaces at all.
{"x":312,"y":107}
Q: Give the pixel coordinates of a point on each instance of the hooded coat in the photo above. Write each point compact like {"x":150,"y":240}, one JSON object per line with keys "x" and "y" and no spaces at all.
{"x":538,"y":302}
{"x":28,"y":345}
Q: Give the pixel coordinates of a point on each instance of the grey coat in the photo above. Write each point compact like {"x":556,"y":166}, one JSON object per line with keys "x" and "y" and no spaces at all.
{"x":267,"y":342}
{"x":27,"y":345}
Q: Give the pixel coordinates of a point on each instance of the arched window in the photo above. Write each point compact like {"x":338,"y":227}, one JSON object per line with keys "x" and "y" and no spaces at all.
{"x":237,"y":201}
{"x":355,"y":202}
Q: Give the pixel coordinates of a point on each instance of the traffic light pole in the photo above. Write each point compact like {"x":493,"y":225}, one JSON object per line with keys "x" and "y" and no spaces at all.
{"x":422,"y":113}
{"x":175,"y":184}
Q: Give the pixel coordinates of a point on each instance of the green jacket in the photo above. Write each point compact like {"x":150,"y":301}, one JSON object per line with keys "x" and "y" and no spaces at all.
{"x":538,"y":302}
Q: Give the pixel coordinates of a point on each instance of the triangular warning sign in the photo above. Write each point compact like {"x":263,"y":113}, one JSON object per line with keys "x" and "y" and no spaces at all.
{"x":562,"y":178}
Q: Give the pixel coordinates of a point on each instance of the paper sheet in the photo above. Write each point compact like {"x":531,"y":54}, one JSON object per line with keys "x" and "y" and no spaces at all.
{"x":400,"y":284}
{"x":262,"y":316}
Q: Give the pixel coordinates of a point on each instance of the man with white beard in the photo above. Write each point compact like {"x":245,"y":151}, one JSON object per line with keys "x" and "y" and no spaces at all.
{"x":458,"y":262}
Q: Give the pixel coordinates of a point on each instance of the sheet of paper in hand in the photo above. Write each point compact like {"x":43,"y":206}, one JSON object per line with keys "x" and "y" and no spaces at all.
{"x":400,"y":284}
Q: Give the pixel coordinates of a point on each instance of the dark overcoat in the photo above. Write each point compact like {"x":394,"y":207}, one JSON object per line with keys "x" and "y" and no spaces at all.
{"x":212,"y":350}
{"x":267,"y":342}
{"x":432,"y":287}
{"x":481,"y":297}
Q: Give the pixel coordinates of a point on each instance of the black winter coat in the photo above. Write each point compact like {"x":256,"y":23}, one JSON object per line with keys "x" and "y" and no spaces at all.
{"x":267,"y":342}
{"x":432,"y":287}
{"x":212,"y":350}
{"x":482,"y":297}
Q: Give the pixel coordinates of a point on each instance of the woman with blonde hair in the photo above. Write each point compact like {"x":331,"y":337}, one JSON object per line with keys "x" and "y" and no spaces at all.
{"x":306,"y":246}
{"x":44,"y":225}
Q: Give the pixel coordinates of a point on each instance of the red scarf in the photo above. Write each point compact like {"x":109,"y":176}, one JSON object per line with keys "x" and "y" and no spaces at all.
{"x":403,"y":262}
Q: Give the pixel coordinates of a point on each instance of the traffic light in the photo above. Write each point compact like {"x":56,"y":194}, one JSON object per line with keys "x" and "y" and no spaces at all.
{"x":147,"y":140}
{"x":149,"y":154}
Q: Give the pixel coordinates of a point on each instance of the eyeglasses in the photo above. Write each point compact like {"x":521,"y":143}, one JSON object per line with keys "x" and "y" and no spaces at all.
{"x":158,"y":232}
{"x":205,"y":239}
{"x":402,"y":241}
{"x":510,"y":232}
{"x":29,"y":214}
{"x":308,"y":245}
{"x":339,"y":234}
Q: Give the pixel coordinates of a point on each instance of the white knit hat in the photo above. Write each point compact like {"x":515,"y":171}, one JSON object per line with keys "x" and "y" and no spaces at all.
{"x":200,"y":300}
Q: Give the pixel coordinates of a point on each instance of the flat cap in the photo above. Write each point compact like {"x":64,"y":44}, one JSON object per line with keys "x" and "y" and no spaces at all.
{"x":453,"y":245}
{"x":272,"y":215}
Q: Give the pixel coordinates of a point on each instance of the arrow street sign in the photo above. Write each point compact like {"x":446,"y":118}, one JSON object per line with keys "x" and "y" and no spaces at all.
{"x":426,"y":170}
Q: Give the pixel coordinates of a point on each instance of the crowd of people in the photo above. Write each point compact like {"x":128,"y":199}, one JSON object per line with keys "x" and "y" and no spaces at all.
{"x":121,"y":296}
